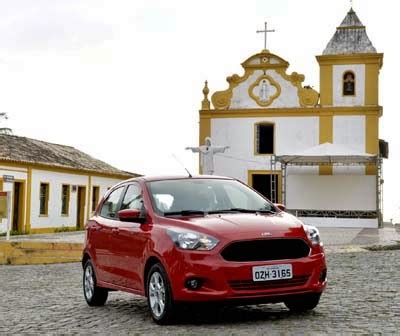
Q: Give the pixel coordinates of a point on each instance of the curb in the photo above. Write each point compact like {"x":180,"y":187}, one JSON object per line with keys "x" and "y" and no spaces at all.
{"x":33,"y":253}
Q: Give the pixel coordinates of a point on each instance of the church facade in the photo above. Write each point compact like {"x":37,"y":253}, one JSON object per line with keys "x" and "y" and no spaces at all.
{"x":266,"y":114}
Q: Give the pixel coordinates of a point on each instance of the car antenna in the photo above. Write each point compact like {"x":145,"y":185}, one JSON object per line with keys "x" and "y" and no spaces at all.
{"x":183,"y":166}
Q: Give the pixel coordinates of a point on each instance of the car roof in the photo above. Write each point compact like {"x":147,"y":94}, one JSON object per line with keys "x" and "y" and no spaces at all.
{"x":177,"y":177}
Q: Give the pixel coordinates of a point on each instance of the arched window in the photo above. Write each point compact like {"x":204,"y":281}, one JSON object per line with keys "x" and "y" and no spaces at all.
{"x":349,"y":84}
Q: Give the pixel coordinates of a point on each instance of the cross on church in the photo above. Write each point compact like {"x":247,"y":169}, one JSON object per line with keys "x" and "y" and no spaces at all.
{"x":265,"y":31}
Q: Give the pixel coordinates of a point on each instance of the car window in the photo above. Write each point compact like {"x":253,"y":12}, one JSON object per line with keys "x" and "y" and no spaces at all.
{"x":110,"y":206}
{"x":133,"y":198}
{"x":206,"y":195}
{"x":237,"y":197}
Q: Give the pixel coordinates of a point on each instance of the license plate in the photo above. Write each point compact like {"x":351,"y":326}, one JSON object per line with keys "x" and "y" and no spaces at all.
{"x":274,"y":272}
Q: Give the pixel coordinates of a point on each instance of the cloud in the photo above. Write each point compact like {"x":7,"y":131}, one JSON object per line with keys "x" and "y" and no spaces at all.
{"x":49,"y":25}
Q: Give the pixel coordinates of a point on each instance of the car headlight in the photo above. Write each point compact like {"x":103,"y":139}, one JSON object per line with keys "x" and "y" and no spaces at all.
{"x":312,"y":234}
{"x":191,"y":240}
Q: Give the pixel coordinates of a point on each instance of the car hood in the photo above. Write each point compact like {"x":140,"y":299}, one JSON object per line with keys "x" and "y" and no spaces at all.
{"x":245,"y":226}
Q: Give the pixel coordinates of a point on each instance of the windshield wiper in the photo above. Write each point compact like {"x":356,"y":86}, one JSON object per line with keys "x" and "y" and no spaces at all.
{"x":242,"y":210}
{"x":185,"y":213}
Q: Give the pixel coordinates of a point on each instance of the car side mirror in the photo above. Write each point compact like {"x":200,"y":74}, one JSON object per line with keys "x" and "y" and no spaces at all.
{"x":280,"y":206}
{"x":131,"y":215}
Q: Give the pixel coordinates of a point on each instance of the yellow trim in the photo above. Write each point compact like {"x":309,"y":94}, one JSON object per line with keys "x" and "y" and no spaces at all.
{"x":371,"y":84}
{"x":255,"y":137}
{"x":28,"y":201}
{"x":89,"y":200}
{"x":52,"y":229}
{"x":258,"y":83}
{"x":47,"y":196}
{"x":66,"y":170}
{"x":67,"y":200}
{"x":21,"y":206}
{"x":351,"y":59}
{"x":371,"y":140}
{"x":1,"y":184}
{"x":204,"y":132}
{"x":290,"y":112}
{"x":326,"y":135}
{"x":326,"y":84}
{"x":250,"y":174}
{"x":80,"y":225}
{"x":96,"y":193}
{"x":222,"y":99}
{"x":14,"y":170}
{"x":354,"y":82}
{"x":262,"y":62}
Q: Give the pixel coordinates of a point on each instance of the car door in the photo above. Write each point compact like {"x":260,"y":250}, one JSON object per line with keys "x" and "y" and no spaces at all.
{"x":129,"y":241}
{"x":101,"y":231}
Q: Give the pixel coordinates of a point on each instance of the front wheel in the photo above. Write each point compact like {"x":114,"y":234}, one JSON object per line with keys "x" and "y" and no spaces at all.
{"x":159,"y":295}
{"x":94,"y":296}
{"x":303,"y":303}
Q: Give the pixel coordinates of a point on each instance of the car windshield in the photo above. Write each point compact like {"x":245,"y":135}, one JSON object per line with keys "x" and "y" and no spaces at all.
{"x":204,"y":196}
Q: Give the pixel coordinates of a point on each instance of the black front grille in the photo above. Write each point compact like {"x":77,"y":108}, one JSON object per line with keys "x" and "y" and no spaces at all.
{"x":238,"y":285}
{"x":264,"y":250}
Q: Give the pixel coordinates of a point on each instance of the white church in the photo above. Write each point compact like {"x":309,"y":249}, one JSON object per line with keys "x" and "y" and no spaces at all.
{"x":319,"y":153}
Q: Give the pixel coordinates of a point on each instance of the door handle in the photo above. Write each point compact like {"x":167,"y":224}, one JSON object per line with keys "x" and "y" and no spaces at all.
{"x":115,"y":230}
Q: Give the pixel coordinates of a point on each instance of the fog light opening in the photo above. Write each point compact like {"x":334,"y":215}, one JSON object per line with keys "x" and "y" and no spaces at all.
{"x":193,"y":283}
{"x":322,"y":276}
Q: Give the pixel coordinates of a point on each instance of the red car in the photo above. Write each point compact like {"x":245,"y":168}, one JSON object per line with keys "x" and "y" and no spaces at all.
{"x":199,"y":239}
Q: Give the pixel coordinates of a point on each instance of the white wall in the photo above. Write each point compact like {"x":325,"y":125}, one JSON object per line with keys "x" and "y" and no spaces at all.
{"x":55,"y":181}
{"x":338,"y":98}
{"x":340,"y":222}
{"x":349,"y":131}
{"x":292,"y":134}
{"x":331,"y":192}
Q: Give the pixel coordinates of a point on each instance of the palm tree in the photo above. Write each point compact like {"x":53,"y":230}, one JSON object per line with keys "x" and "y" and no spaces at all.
{"x":4,"y":130}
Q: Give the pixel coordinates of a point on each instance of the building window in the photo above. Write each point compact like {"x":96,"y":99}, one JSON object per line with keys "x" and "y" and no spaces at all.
{"x":264,"y":138}
{"x":44,"y":199}
{"x":349,"y":84}
{"x":65,"y":192}
{"x":95,"y":197}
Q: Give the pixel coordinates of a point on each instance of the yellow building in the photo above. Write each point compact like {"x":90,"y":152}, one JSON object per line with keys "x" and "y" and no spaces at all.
{"x":53,"y":187}
{"x":268,"y":119}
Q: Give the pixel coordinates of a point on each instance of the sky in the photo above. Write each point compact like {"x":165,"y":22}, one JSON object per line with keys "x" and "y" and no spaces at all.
{"x":122,"y":80}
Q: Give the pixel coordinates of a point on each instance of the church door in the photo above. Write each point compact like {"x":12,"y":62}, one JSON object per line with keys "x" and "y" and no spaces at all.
{"x":267,"y":184}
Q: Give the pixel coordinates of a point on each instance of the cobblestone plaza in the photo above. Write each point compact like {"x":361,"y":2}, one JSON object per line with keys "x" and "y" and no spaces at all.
{"x":363,"y":296}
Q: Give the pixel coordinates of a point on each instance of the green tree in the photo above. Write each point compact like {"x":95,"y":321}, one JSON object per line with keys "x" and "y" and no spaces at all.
{"x":4,"y":130}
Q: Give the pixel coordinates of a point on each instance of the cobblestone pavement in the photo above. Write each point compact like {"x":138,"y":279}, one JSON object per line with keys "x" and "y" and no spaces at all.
{"x":363,"y":297}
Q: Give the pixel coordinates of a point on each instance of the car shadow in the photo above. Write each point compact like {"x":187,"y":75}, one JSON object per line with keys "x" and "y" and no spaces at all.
{"x":204,"y":314}
{"x":217,"y":314}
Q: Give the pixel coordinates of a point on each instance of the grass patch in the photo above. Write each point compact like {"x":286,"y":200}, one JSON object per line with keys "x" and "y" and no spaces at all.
{"x":64,"y":229}
{"x":392,"y":247}
{"x":12,"y":233}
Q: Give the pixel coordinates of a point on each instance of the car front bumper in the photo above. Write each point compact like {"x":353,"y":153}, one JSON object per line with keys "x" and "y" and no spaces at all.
{"x":221,"y":280}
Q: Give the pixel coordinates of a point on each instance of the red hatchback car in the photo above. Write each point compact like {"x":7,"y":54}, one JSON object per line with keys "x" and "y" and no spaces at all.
{"x":199,"y":239}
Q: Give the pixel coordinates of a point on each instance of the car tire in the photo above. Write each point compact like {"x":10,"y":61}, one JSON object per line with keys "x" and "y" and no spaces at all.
{"x":159,"y":296}
{"x":94,"y":296}
{"x":303,"y":303}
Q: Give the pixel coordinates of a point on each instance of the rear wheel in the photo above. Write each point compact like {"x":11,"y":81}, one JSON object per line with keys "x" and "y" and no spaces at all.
{"x":94,"y":296}
{"x":302,"y":303}
{"x":159,"y":295}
